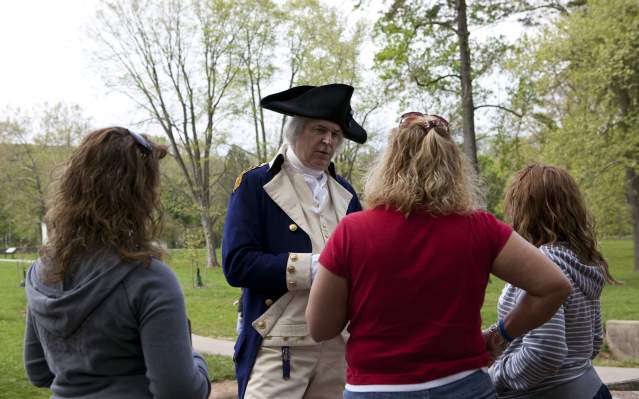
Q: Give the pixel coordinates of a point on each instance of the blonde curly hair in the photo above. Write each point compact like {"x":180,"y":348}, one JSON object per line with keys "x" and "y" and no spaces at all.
{"x":423,"y":169}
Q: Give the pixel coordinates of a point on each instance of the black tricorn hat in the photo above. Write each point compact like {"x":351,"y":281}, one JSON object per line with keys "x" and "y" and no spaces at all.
{"x":329,"y":102}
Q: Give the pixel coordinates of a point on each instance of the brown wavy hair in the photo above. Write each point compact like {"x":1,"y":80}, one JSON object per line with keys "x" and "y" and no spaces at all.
{"x":545,"y":206}
{"x":107,"y":197}
{"x":423,"y":168}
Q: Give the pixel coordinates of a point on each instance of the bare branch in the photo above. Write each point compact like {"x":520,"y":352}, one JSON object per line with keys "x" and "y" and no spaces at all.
{"x":432,"y":82}
{"x":553,"y":5}
{"x":517,"y":114}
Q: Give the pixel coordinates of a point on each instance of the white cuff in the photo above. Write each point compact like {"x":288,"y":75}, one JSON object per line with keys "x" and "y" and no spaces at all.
{"x":314,"y":265}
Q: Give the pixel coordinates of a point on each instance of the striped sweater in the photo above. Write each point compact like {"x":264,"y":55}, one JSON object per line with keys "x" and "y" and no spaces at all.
{"x":561,"y":349}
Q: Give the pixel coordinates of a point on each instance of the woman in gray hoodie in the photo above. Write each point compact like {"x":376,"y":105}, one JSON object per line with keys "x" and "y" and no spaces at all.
{"x":545,"y":206}
{"x":106,"y":318}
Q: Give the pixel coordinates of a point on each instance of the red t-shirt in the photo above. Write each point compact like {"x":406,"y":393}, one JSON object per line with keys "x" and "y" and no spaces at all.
{"x":416,"y":287}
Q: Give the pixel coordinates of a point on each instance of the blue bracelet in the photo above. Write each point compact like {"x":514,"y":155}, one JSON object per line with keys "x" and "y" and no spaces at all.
{"x":503,"y":332}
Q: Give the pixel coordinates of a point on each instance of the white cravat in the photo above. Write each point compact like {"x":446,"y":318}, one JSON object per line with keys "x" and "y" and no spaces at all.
{"x":316,"y":180}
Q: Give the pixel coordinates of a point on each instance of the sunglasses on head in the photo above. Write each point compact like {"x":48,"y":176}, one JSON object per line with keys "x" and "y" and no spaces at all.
{"x":415,"y":114}
{"x":144,"y":145}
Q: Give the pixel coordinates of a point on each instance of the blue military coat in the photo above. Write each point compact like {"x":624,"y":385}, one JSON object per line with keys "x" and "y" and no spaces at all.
{"x":255,"y":250}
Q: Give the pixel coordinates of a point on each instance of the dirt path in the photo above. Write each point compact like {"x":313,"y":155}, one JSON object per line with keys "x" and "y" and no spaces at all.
{"x":228,"y":390}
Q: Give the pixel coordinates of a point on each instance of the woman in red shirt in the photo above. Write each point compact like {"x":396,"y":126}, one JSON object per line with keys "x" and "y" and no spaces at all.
{"x":410,"y":274}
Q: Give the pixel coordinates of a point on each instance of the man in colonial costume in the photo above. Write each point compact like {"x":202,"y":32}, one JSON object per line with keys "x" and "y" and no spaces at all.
{"x":279,"y":218}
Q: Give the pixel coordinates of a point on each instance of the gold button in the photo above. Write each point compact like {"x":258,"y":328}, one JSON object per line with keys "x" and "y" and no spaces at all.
{"x":293,"y":257}
{"x":261,"y":325}
{"x":292,"y":227}
{"x":292,"y":283}
{"x":284,"y":338}
{"x":268,"y":302}
{"x":291,"y":269}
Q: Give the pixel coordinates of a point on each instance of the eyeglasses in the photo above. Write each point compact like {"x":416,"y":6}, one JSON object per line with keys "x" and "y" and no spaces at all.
{"x":415,"y":114}
{"x":144,"y":145}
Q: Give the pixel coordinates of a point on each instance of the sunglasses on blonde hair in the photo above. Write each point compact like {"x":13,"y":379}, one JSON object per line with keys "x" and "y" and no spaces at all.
{"x":407,"y":116}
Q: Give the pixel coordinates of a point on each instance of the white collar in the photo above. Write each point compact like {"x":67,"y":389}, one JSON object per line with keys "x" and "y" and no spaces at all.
{"x":300,"y":167}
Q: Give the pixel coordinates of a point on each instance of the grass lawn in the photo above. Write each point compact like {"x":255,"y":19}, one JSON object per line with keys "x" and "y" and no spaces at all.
{"x":210,"y":309}
{"x":213,"y":314}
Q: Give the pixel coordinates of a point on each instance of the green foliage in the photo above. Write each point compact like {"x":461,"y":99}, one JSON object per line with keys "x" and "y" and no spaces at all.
{"x":221,"y":368}
{"x":575,"y":86}
{"x":33,"y":148}
{"x":210,"y":309}
{"x":12,"y":315}
{"x":506,"y":153}
{"x":256,"y":46}
{"x":321,"y":48}
{"x":599,"y":88}
{"x":193,"y":65}
{"x":213,"y":313}
{"x":494,"y":182}
{"x":420,"y":45}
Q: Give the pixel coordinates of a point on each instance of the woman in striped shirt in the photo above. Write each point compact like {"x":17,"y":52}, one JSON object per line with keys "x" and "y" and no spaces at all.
{"x":545,"y":206}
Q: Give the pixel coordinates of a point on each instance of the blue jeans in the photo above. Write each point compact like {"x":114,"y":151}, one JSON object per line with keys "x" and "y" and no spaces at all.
{"x":475,"y":386}
{"x":603,"y":393}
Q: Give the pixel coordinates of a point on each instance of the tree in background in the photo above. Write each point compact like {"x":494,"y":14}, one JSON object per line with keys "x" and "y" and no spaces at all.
{"x":354,"y":160}
{"x":448,"y":51}
{"x":178,"y":61}
{"x":34,"y":147}
{"x":319,"y":47}
{"x":257,"y":43}
{"x":180,"y":215}
{"x":192,"y":66}
{"x":589,"y":88}
{"x":322,"y":47}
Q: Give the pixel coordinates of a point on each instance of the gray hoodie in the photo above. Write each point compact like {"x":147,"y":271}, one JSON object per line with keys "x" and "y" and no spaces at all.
{"x":111,"y":329}
{"x":554,"y":360}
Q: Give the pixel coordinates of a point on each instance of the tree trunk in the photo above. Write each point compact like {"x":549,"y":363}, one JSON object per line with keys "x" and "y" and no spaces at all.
{"x":468,"y":107}
{"x":632,"y":194}
{"x":207,"y":226}
{"x":282,"y":131}
{"x":290,"y":84}
{"x":261,"y":118}
{"x":258,"y":147}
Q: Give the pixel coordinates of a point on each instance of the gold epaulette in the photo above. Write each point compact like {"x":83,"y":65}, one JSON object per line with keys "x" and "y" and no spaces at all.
{"x":238,"y":180}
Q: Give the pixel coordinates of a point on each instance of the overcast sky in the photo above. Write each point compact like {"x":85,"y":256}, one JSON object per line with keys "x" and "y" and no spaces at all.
{"x":44,"y":52}
{"x":43,"y":46}
{"x":44,"y":59}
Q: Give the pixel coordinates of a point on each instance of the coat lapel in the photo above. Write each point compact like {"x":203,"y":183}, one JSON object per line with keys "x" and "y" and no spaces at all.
{"x":341,"y":197}
{"x":281,"y":191}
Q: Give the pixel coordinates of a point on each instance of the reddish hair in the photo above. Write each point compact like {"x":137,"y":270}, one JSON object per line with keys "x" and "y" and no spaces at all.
{"x":544,"y":205}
